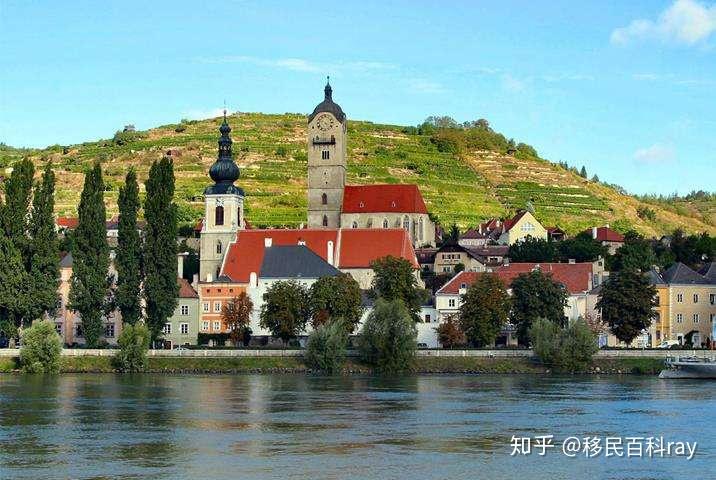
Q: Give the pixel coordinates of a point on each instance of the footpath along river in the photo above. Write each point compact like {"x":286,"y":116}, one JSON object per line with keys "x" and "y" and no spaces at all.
{"x":97,"y":426}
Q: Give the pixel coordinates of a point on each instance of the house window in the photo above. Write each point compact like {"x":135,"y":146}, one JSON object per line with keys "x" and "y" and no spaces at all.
{"x":451,"y":302}
{"x":528,"y":227}
{"x":79,"y":332}
{"x":325,"y":220}
{"x":184,"y":328}
{"x":427,"y":318}
{"x":696,"y":318}
{"x":324,"y":199}
{"x":217,"y":307}
{"x":218,"y":247}
{"x":354,"y":225}
{"x":219,"y":215}
{"x":680,"y":297}
{"x":385,"y":223}
{"x":696,"y":298}
{"x":167,"y":329}
{"x":185,"y":309}
{"x":463,"y":285}
{"x":712,"y":299}
{"x":109,"y":330}
{"x":58,"y":328}
{"x":217,"y":326}
{"x":679,"y":318}
{"x":406,"y":223}
{"x":205,"y":307}
{"x":447,"y":269}
{"x":205,"y":326}
{"x":325,"y":155}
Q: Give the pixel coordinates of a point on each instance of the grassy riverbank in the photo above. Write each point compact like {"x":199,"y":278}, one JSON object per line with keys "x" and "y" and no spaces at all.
{"x":646,"y":366}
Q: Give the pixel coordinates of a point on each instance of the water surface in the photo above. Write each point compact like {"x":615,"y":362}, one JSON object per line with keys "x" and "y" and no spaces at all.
{"x":297,"y":427}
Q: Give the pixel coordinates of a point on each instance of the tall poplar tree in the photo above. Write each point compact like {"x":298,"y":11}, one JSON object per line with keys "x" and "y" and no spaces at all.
{"x":90,"y":254}
{"x":14,"y":287}
{"x":128,"y":261}
{"x":44,"y":249}
{"x":160,"y":246}
{"x":14,"y":215}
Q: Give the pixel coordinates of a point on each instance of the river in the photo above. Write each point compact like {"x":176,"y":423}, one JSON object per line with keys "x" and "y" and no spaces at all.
{"x":300,"y":427}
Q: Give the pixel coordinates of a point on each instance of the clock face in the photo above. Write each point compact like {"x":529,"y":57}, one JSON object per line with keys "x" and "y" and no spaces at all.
{"x":325,"y":122}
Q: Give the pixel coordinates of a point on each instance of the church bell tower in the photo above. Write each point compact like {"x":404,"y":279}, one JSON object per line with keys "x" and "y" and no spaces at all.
{"x":223,"y":209}
{"x":326,"y":162}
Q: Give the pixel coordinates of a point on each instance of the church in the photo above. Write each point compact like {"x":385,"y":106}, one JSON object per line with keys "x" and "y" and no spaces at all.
{"x":332,"y":205}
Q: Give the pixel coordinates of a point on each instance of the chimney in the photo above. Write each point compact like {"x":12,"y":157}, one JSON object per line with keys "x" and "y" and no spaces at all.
{"x":209,"y":278}
{"x":267,"y":242}
{"x":195,"y":281}
{"x":572,"y":261}
{"x":253,"y":280}
{"x":329,"y":253}
{"x":594,"y":233}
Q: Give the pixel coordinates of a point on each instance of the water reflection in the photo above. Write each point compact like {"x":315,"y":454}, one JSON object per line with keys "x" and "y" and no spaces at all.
{"x":293,"y":426}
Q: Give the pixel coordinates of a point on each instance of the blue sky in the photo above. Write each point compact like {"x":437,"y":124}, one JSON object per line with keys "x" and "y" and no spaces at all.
{"x":625,"y":88}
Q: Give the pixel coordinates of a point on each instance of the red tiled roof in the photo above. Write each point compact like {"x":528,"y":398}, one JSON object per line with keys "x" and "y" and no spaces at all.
{"x":359,"y":247}
{"x":576,"y":277}
{"x":353,"y":248}
{"x":473,"y":233}
{"x":606,"y":234}
{"x":511,"y":222}
{"x":186,"y":290}
{"x":383,"y":198}
{"x":68,"y":222}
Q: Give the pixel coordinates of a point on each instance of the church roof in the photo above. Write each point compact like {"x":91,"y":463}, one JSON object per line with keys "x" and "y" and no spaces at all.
{"x":383,"y":199}
{"x":328,"y":105}
{"x":294,"y":261}
{"x":224,"y":171}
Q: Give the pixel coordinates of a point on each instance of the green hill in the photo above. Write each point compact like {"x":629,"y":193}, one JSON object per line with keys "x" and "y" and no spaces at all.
{"x":465,"y":176}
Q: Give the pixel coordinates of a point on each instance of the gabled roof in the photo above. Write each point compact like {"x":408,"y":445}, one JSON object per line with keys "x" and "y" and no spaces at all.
{"x":67,"y":222}
{"x":383,"y":199}
{"x":425,"y":255}
{"x":680,"y":274}
{"x":508,"y":224}
{"x":605,"y":234}
{"x":576,"y":277}
{"x":473,"y":234}
{"x":709,"y":272}
{"x":294,"y":261}
{"x":186,"y":290}
{"x":655,"y":278}
{"x":351,"y":248}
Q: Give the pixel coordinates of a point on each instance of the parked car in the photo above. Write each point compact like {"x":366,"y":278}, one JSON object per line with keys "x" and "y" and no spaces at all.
{"x":669,"y":344}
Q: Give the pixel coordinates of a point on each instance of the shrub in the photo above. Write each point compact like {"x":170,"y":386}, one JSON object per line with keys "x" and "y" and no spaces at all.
{"x":388,"y":338}
{"x":281,"y":151}
{"x":41,"y":348}
{"x":568,"y":349}
{"x":450,"y":334}
{"x":326,"y":348}
{"x":133,"y":345}
{"x":180,"y":128}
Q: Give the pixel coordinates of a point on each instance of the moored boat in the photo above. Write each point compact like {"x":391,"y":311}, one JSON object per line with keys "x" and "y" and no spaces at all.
{"x":689,"y":367}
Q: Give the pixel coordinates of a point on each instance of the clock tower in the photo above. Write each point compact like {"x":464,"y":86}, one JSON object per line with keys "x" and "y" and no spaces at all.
{"x":326,"y":162}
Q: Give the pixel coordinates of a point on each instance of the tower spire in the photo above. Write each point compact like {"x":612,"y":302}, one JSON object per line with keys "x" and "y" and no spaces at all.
{"x":328,"y":90}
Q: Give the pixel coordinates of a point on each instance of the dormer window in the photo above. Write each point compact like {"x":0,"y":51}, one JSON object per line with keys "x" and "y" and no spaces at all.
{"x":361,"y":205}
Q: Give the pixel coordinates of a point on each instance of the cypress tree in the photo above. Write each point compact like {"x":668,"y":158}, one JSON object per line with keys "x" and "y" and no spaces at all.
{"x":14,"y":217}
{"x":44,"y":267}
{"x":14,"y":287}
{"x":90,"y":257}
{"x":160,"y":246}
{"x":128,"y":261}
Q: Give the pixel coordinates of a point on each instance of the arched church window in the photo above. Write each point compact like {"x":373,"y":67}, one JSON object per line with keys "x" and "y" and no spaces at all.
{"x":420,"y":228}
{"x":324,"y":199}
{"x":406,"y":223}
{"x":355,"y":225}
{"x":325,"y":220}
{"x":218,"y":247}
{"x":219,"y":215}
{"x":385,"y":223}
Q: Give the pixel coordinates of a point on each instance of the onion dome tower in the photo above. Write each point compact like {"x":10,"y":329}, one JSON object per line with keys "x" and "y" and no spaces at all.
{"x":223,"y":208}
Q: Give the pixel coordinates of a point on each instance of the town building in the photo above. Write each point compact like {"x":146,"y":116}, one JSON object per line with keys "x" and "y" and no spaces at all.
{"x":182,"y":328}
{"x":607,"y":237}
{"x":510,"y":231}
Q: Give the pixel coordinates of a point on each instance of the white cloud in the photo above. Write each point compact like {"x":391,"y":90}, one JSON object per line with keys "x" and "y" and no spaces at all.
{"x":655,"y":154}
{"x":302,"y":65}
{"x":512,"y":84}
{"x":203,"y":114}
{"x":685,"y":21}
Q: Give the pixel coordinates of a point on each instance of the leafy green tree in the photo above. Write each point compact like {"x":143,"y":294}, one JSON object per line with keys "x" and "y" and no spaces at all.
{"x":336,"y":297}
{"x":485,"y":309}
{"x":236,"y":314}
{"x":582,"y":248}
{"x":41,"y":348}
{"x":544,"y":336}
{"x":626,"y":301}
{"x":133,"y":346}
{"x":536,"y":295}
{"x":453,"y":235}
{"x":128,"y":260}
{"x":44,"y":250}
{"x":395,"y":280}
{"x":90,"y":281}
{"x":532,"y":249}
{"x":285,"y":311}
{"x":15,"y":301}
{"x":635,"y":254}
{"x":567,"y":349}
{"x":388,"y":338}
{"x":160,"y":247}
{"x":326,"y":348}
{"x":450,"y":333}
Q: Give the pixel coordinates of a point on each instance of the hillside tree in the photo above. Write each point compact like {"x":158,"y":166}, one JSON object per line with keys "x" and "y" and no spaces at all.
{"x":90,"y":280}
{"x":128,"y":261}
{"x":160,"y":246}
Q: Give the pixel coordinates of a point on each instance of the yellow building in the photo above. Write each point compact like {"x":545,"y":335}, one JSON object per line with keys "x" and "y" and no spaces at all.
{"x":692,"y":304}
{"x":517,"y":228}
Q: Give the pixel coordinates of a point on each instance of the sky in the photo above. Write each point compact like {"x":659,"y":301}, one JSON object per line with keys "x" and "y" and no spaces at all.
{"x":624,"y":88}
